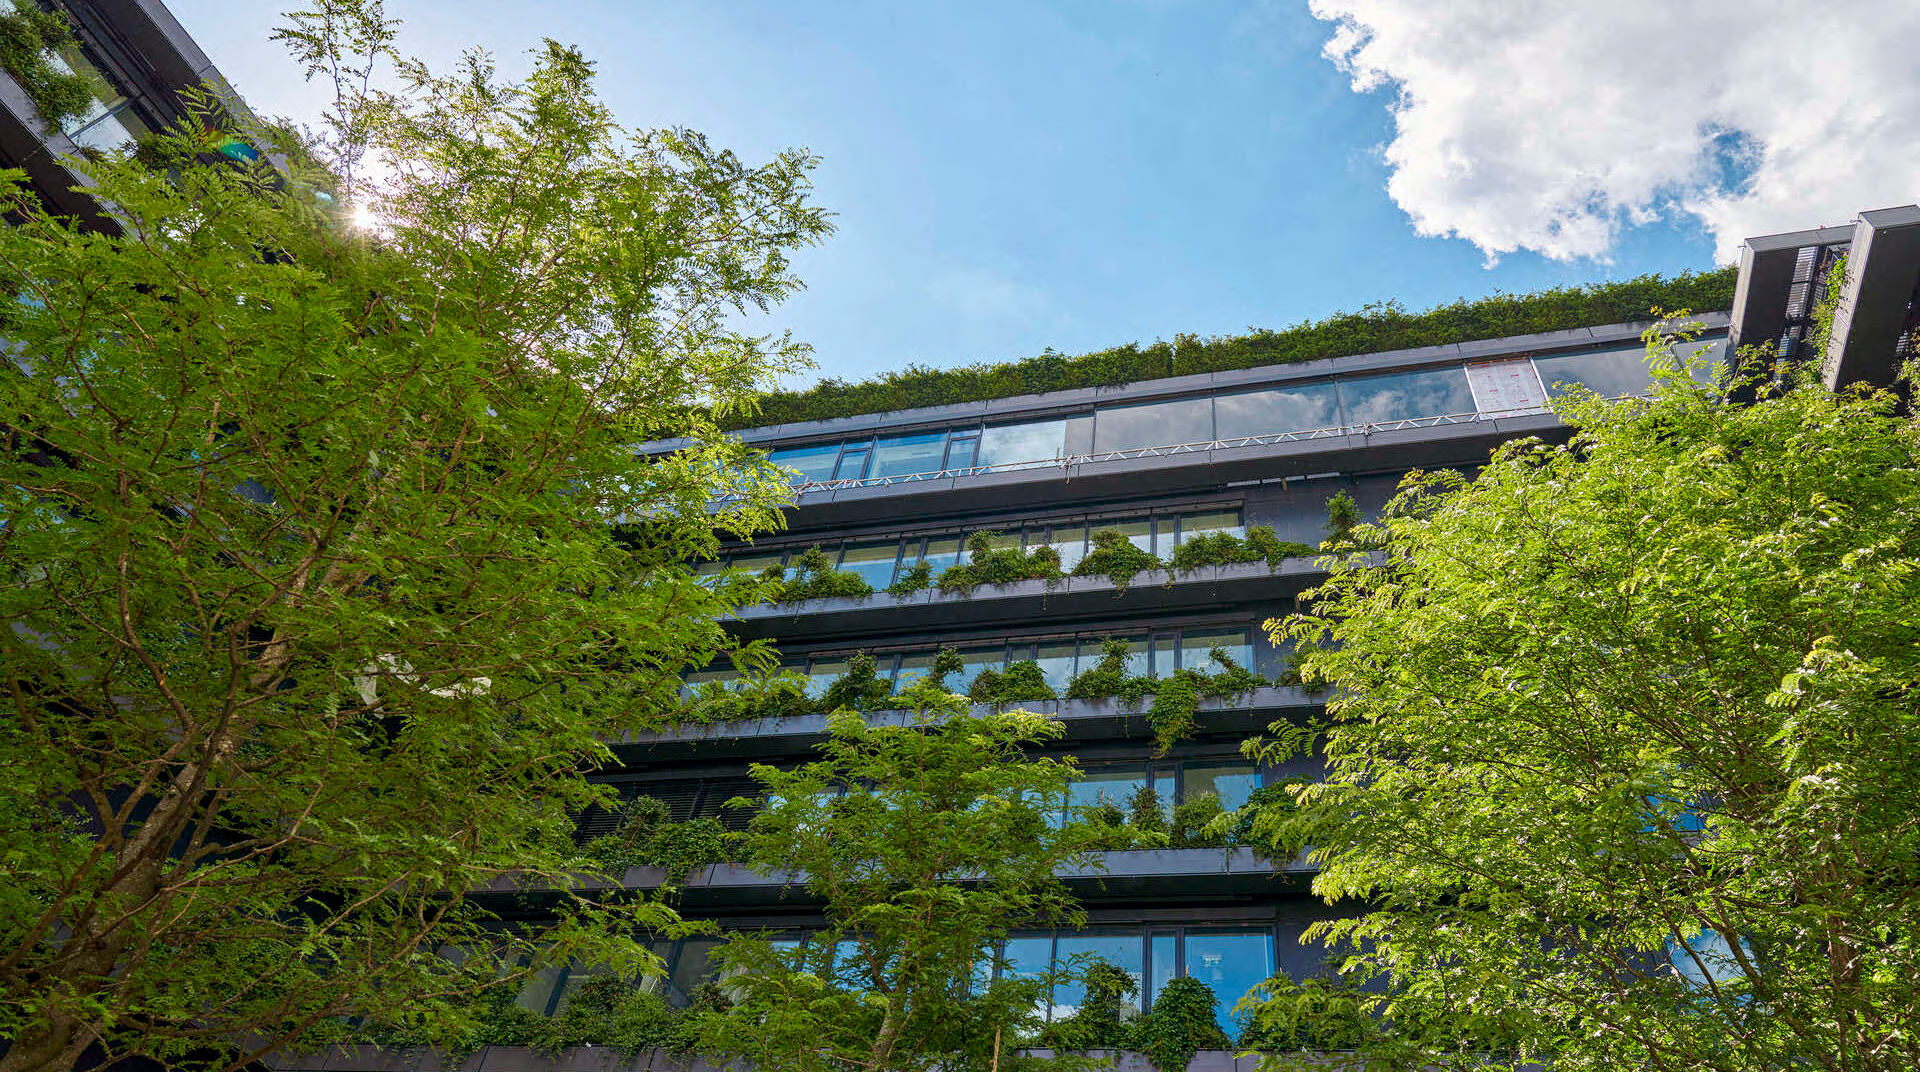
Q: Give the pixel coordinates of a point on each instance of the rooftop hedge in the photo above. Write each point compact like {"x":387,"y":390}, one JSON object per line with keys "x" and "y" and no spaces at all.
{"x":1375,"y":328}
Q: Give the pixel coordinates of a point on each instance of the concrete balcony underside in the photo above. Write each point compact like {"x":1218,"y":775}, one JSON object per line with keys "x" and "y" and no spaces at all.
{"x":1064,"y":601}
{"x":609,"y":1059}
{"x":1056,"y":485}
{"x":1085,"y":720}
{"x":1191,"y":876}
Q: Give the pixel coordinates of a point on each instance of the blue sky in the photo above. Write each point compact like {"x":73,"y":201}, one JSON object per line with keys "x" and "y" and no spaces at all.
{"x":1013,"y":176}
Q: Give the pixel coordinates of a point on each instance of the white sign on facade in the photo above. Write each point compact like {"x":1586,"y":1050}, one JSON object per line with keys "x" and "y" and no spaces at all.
{"x":1506,"y":386}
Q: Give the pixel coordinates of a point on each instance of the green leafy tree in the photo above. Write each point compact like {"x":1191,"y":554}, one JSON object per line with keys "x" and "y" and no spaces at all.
{"x":1622,"y":753}
{"x":926,"y":843}
{"x":331,"y":565}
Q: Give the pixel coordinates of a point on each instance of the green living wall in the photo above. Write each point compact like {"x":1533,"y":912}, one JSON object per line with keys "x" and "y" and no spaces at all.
{"x":1371,"y":330}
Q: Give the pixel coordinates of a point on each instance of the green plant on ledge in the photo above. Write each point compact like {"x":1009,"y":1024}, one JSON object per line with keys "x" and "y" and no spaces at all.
{"x":859,"y":688}
{"x":1109,"y":678}
{"x":1020,"y":682}
{"x":1180,"y":1024}
{"x":29,"y":37}
{"x":1116,"y":558}
{"x":912,"y":579}
{"x":1176,"y":698}
{"x":1224,"y":548}
{"x":745,"y":698}
{"x":648,"y":837}
{"x":999,"y":565}
{"x":815,"y":578}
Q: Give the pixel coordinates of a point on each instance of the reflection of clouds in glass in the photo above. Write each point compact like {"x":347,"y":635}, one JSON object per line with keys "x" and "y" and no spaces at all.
{"x":1378,"y":399}
{"x":1023,"y":443}
{"x":1161,"y":424}
{"x":1608,"y":373}
{"x":1261,"y":412}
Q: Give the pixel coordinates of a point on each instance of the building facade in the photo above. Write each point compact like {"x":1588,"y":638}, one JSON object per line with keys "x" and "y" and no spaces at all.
{"x":1161,"y":462}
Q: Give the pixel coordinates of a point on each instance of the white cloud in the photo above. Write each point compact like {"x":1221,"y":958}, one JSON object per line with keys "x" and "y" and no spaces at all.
{"x":1549,"y":125}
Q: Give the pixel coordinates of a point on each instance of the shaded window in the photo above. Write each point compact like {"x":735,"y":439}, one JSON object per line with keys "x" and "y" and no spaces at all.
{"x":1122,"y":949}
{"x":1071,"y":543}
{"x":1137,"y":530}
{"x":1056,"y":664}
{"x":1608,"y":373}
{"x":1227,"y":521}
{"x":976,"y":660}
{"x":1163,"y":963}
{"x":872,"y":561}
{"x":1196,"y":648}
{"x":1013,"y":444}
{"x":1231,"y":962}
{"x":1138,"y":659}
{"x":941,"y":553}
{"x":690,"y":968}
{"x":1153,"y":424}
{"x":1232,"y":782}
{"x":912,"y":669}
{"x":1398,"y":396}
{"x":821,"y":674}
{"x":754,"y":563}
{"x":1113,"y":785}
{"x":812,"y":463}
{"x":536,"y":994}
{"x":909,"y":454}
{"x":1285,"y":409}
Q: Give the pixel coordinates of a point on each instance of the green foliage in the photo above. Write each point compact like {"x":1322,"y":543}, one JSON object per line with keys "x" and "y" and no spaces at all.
{"x":1342,"y":515}
{"x":648,"y":837}
{"x":1174,"y":715}
{"x":1694,"y":614}
{"x":912,"y":579}
{"x":1373,"y":329}
{"x":776,"y":695}
{"x":1832,"y":288}
{"x":1021,"y":682}
{"x":1311,"y":1017}
{"x":313,"y":544}
{"x":884,"y":827}
{"x":999,"y":565}
{"x":860,"y":688}
{"x":1180,"y":1024}
{"x":1193,"y":823}
{"x":1146,"y":812}
{"x":1115,"y":558}
{"x":29,"y":37}
{"x":1224,"y":548}
{"x":1105,"y":1018}
{"x":814,"y":577}
{"x":1109,"y":677}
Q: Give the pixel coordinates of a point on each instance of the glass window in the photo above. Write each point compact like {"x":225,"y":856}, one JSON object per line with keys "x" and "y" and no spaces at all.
{"x":1071,"y":542}
{"x":1196,"y":648}
{"x":1056,"y":665}
{"x":1137,"y":530}
{"x":1706,"y":355}
{"x":1153,"y":424}
{"x":1232,"y":782}
{"x":1072,"y":952}
{"x":1026,"y":957}
{"x":1012,"y":444}
{"x":909,"y":454}
{"x":812,"y":463}
{"x":1166,"y":531}
{"x":1398,"y":396}
{"x":1163,"y":963}
{"x":873,"y":561}
{"x":1287,"y":409}
{"x":1105,"y":785}
{"x":1231,"y":962}
{"x":1608,"y":373}
{"x":537,"y":992}
{"x":912,"y":669}
{"x":1227,"y":521}
{"x":961,"y":451}
{"x":115,"y":130}
{"x":941,"y":553}
{"x":755,"y":562}
{"x":976,"y":660}
{"x":702,"y":677}
{"x":822,"y":673}
{"x":1138,"y":660}
{"x":853,"y":464}
{"x":690,"y":969}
